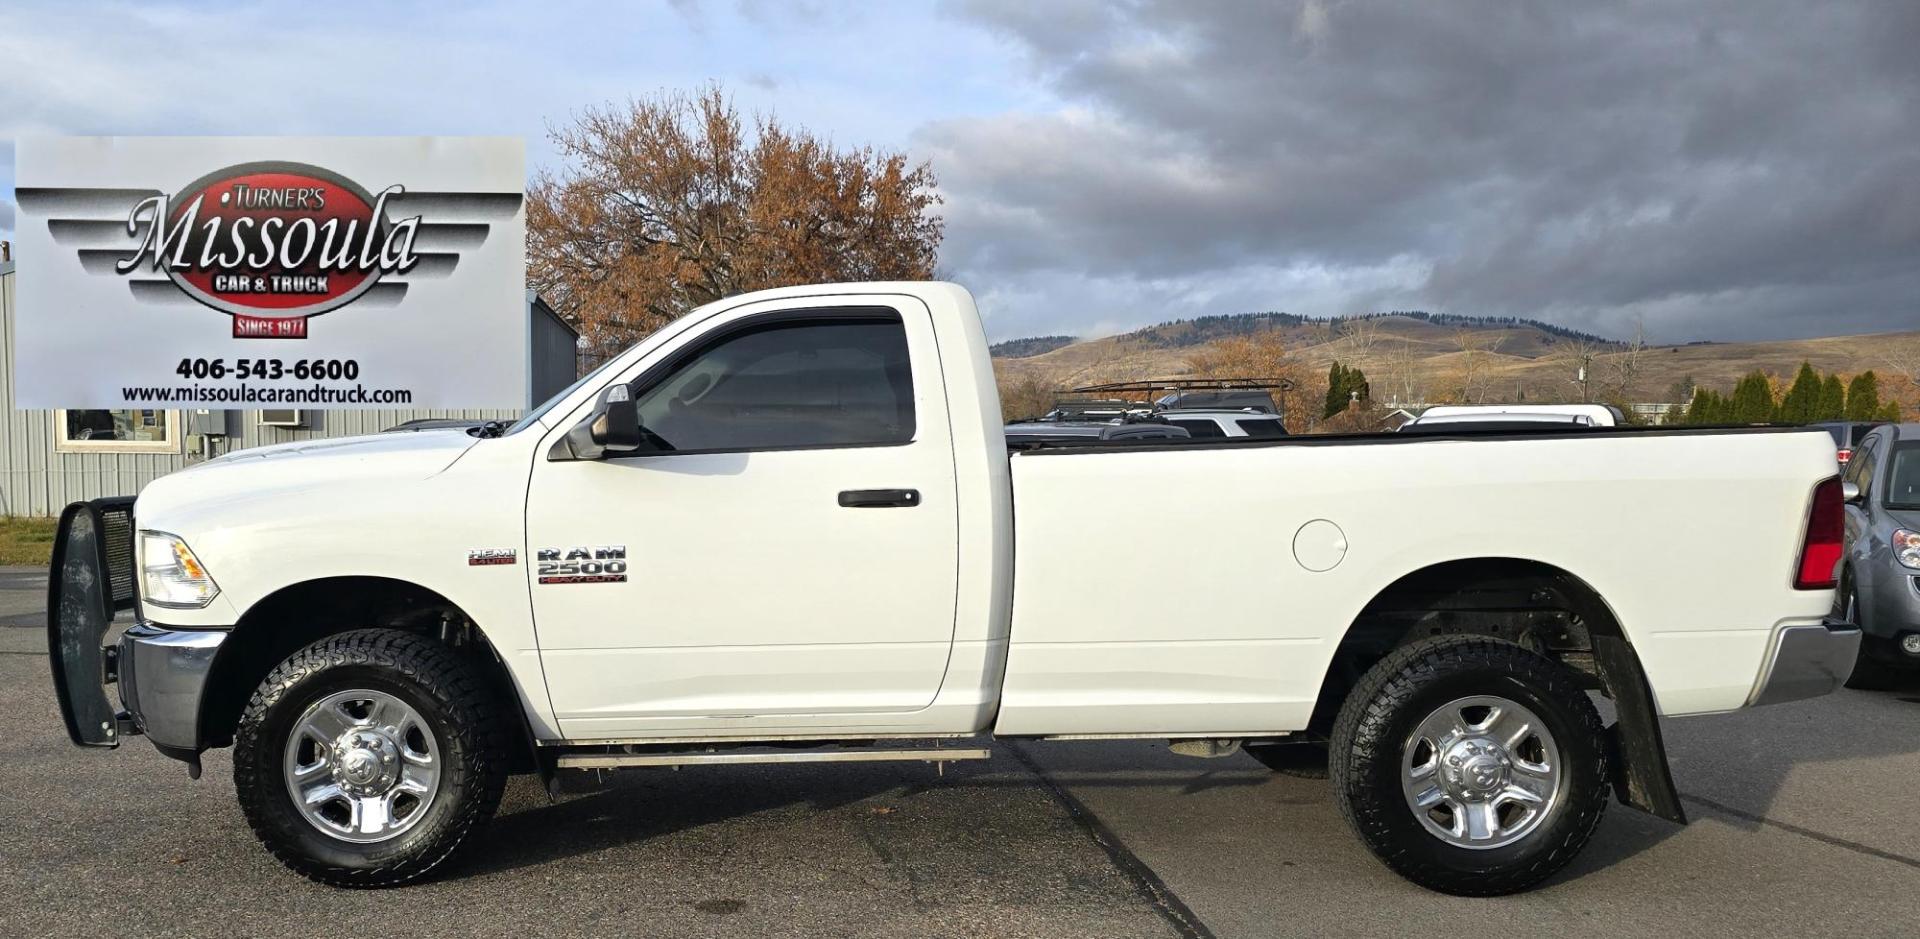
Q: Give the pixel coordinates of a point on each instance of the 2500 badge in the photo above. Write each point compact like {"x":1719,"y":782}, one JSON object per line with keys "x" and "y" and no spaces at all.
{"x":605,"y":564}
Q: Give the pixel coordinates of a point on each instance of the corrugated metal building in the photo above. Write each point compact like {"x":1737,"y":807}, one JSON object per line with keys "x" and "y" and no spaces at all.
{"x":51,"y":458}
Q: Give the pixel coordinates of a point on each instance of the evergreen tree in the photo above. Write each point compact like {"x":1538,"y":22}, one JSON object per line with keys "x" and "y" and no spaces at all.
{"x":1336,"y":390}
{"x":1753,"y":400}
{"x":1343,"y":386}
{"x":1357,"y":382}
{"x":1890,"y":412}
{"x":1702,"y":410}
{"x":1833,"y":400}
{"x":1802,"y":402}
{"x":1863,"y":397}
{"x":1723,"y":409}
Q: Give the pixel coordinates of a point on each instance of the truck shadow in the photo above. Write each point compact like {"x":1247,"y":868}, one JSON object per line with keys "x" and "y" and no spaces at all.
{"x":1740,"y":768}
{"x":1745,"y":770}
{"x":628,"y":809}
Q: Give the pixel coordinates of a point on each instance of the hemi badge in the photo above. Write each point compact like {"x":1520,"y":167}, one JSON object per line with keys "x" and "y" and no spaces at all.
{"x":484,"y":557}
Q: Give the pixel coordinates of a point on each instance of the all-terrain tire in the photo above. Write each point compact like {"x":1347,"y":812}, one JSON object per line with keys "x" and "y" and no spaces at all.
{"x":1371,"y":737}
{"x":466,"y":715}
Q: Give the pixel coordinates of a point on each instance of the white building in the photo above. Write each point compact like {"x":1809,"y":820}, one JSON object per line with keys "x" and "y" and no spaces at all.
{"x":51,"y":458}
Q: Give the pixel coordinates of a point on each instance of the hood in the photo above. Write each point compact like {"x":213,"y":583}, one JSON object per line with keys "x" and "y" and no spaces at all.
{"x":244,"y":478}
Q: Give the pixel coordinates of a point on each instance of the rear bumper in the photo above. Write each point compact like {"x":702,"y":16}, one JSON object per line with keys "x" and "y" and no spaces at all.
{"x":1807,"y":661}
{"x":162,"y":677}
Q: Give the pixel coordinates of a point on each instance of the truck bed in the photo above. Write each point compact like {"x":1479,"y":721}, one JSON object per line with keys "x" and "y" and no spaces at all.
{"x":1255,"y":555}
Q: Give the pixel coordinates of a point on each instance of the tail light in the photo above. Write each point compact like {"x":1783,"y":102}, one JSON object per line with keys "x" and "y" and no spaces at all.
{"x":1826,"y":528}
{"x":1846,"y":453}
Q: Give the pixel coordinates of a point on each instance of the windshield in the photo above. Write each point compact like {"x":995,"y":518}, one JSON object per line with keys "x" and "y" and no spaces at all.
{"x":1903,"y":476}
{"x":547,"y":405}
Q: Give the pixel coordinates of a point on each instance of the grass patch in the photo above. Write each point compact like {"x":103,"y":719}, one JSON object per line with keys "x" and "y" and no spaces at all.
{"x":26,"y":540}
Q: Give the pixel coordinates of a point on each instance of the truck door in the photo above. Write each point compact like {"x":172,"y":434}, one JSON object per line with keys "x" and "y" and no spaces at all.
{"x":785,"y":547}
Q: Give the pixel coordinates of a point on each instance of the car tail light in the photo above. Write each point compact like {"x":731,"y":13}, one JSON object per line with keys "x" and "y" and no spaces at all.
{"x":1826,"y":527}
{"x":1846,"y":453}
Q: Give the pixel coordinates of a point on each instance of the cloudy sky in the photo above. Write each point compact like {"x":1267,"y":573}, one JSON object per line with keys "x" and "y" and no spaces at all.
{"x":1710,"y":169}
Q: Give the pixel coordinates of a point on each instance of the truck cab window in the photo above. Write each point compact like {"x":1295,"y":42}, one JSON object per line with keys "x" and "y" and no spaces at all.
{"x":822,"y":383}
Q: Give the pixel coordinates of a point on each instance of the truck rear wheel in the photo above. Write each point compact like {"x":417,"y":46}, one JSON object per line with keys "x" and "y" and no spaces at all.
{"x":1469,"y":765}
{"x":368,"y":759}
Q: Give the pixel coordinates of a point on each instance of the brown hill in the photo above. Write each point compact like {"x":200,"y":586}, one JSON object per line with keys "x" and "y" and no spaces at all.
{"x":1408,"y":358}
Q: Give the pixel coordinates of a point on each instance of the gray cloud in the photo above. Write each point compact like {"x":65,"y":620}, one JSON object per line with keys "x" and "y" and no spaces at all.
{"x":6,"y":214}
{"x":1732,"y":168}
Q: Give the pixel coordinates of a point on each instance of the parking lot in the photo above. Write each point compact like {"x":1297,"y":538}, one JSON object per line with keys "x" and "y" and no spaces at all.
{"x":1803,"y":823}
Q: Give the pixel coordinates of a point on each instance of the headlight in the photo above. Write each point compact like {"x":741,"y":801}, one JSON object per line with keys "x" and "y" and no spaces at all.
{"x":1906,"y":547}
{"x":170,"y":575}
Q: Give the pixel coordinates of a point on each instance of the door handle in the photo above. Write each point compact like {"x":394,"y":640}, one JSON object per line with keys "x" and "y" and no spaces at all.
{"x":879,"y":498}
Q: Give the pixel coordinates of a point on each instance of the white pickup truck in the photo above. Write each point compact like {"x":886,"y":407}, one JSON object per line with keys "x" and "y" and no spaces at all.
{"x":787,"y":526}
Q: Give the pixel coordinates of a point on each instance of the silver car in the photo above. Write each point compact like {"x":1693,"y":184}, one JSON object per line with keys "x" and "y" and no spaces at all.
{"x":1212,"y":423}
{"x":1880,"y":569}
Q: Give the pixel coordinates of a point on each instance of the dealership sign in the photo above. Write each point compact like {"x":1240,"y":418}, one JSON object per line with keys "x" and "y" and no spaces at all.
{"x":237,"y":272}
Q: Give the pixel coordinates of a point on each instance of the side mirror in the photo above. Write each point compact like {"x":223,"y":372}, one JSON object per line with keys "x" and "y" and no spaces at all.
{"x":616,"y":426}
{"x":613,"y":430}
{"x":1849,"y":493}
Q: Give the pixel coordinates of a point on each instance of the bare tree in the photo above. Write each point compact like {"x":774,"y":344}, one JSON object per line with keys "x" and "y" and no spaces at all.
{"x":1262,"y":354}
{"x":1023,"y":394}
{"x":671,"y":202}
{"x":1473,"y":363}
{"x":1902,"y":358}
{"x":1576,"y":356}
{"x":1400,"y":374}
{"x":1361,"y":334}
{"x":1626,"y":364}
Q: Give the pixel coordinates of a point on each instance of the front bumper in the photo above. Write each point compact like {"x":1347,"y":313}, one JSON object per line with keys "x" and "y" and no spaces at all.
{"x":1807,"y":661}
{"x":162,"y":676}
{"x":162,"y":673}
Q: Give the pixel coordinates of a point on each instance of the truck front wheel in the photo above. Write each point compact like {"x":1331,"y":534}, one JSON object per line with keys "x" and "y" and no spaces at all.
{"x":369,"y":758}
{"x":1469,"y":765}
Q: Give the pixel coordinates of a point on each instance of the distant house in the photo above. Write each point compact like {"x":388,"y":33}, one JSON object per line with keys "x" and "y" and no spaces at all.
{"x":1653,"y":413}
{"x":51,"y":458}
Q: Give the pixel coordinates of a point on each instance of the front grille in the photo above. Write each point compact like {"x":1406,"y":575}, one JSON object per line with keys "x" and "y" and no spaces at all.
{"x":116,"y":522}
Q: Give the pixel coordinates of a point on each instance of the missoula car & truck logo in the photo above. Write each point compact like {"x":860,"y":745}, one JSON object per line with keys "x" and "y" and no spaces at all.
{"x":273,"y":244}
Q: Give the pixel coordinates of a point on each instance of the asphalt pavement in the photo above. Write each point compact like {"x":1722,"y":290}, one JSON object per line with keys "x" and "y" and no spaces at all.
{"x":23,"y":596}
{"x":1803,"y":824}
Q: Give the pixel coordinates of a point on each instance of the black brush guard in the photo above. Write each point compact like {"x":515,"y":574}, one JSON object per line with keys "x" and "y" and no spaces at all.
{"x":90,"y":581}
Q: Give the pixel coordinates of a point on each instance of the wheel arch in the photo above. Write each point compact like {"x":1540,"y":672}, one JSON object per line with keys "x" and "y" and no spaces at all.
{"x":1541,"y":606}
{"x":300,"y":614}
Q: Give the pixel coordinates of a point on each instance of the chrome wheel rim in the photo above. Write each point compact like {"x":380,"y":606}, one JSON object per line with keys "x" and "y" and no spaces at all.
{"x":1481,"y":772}
{"x":362,"y":766}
